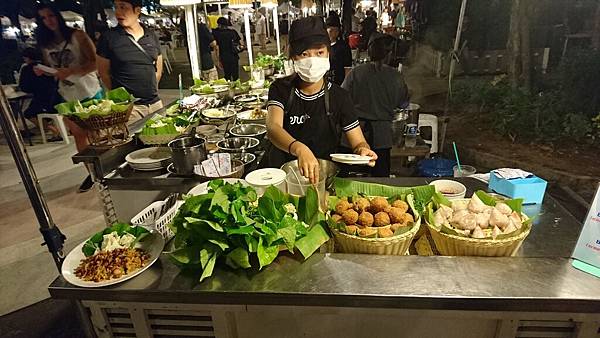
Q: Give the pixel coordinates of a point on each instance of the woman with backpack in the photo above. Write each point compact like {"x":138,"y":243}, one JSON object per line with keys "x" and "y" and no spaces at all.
{"x":308,"y":115}
{"x":230,"y":44}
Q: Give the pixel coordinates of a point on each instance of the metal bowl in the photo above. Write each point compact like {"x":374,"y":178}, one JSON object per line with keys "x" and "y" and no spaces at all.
{"x":238,"y":144}
{"x":249,"y":130}
{"x":327,"y":168}
{"x":247,"y":158}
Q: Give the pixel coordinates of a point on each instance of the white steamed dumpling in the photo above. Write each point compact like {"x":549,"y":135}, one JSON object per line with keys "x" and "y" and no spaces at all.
{"x":516,"y":219}
{"x":438,"y":217}
{"x":498,"y":219}
{"x":446,"y":211}
{"x":468,"y":222}
{"x":458,"y":216}
{"x":458,"y":206}
{"x":483,"y":220}
{"x":476,"y":205}
{"x":495,"y":232}
{"x":510,"y":227}
{"x":503,"y":208}
{"x":478,"y":233}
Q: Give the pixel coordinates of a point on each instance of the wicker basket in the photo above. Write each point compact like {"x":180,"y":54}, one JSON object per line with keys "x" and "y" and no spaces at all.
{"x":396,"y":245}
{"x":106,"y":131}
{"x":452,"y":245}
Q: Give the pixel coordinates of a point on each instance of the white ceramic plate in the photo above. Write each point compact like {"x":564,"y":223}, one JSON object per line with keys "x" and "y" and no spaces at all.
{"x":245,"y":98}
{"x":148,"y":156}
{"x":202,"y":188}
{"x":247,"y":115}
{"x":152,"y":244}
{"x":220,"y":88}
{"x":350,"y":158}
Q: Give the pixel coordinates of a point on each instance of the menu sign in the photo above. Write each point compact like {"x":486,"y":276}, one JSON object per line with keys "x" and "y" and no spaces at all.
{"x":587,"y":249}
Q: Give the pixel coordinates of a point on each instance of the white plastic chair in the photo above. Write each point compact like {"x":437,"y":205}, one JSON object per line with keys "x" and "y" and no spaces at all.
{"x":163,"y":50}
{"x":58,"y":122}
{"x":431,"y":121}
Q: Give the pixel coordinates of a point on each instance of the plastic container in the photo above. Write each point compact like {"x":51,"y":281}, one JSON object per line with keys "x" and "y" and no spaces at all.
{"x":261,"y":179}
{"x":436,"y":167}
{"x":465,"y":171}
{"x":162,"y":223}
{"x":530,"y":189}
{"x":450,"y":189}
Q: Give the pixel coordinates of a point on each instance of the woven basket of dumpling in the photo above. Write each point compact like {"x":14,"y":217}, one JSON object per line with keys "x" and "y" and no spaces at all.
{"x":373,"y":225}
{"x":470,"y":227}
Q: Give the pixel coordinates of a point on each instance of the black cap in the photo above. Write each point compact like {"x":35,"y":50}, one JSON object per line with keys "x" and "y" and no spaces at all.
{"x":222,"y":21}
{"x":306,"y":33}
{"x":333,"y":21}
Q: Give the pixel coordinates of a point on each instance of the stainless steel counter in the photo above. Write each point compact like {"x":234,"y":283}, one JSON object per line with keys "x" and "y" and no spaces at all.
{"x":345,"y":280}
{"x":540,"y":278}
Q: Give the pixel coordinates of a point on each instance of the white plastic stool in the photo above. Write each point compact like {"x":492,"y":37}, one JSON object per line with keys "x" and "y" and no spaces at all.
{"x":431,"y":121}
{"x":58,"y":122}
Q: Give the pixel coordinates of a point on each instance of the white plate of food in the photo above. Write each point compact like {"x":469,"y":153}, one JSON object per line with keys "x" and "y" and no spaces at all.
{"x":218,"y":113}
{"x":202,"y":188}
{"x":220,"y":88}
{"x":253,"y":115}
{"x":350,"y":158}
{"x":101,"y":269}
{"x":246,"y":98}
{"x":148,"y":157}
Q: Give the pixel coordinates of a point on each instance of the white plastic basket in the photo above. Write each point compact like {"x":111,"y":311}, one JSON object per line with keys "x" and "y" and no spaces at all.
{"x":162,"y":223}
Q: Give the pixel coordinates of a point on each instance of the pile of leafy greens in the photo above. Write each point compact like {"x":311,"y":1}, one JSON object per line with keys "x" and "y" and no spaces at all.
{"x":231,"y":224}
{"x":95,"y":242}
{"x":115,"y":101}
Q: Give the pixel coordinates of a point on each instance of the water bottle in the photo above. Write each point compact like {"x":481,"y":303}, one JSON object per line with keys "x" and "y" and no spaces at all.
{"x":410,"y":139}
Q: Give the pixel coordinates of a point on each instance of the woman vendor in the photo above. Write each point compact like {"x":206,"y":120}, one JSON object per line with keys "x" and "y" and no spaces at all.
{"x":307,"y":114}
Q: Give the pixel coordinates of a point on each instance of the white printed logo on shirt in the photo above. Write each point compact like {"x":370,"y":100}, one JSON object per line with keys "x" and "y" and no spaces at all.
{"x":298,"y":119}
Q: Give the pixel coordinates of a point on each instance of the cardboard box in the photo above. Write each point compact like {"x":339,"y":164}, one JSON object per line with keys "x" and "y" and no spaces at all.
{"x":530,"y":189}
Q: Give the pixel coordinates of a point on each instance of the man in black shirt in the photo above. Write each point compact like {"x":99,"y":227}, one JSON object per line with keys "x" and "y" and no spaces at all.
{"x":228,"y":40}
{"x":340,"y":56}
{"x":129,"y":56}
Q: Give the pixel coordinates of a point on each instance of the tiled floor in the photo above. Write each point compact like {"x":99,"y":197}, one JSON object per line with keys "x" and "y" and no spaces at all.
{"x":26,"y":268}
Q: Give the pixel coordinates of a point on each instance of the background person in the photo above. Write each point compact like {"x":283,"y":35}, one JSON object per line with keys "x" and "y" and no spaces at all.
{"x":307,"y":114}
{"x":227,"y":53}
{"x":340,"y":55}
{"x":72,"y":53}
{"x":207,"y":44}
{"x":261,"y":30}
{"x":377,"y":90}
{"x":129,"y":56}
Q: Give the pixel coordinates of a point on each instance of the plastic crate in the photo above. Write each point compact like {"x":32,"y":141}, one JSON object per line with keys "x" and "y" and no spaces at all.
{"x":162,"y":223}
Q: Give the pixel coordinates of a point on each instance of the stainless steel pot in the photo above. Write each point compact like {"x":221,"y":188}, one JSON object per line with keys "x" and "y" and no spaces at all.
{"x":327,"y":168}
{"x":249,"y":130}
{"x":187,"y":152}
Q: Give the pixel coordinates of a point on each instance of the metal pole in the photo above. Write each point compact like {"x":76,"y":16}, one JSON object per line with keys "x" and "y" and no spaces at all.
{"x":276,"y":26}
{"x":220,"y":11}
{"x":454,"y":55}
{"x":190,"y":19}
{"x":53,"y":238}
{"x":248,"y":36}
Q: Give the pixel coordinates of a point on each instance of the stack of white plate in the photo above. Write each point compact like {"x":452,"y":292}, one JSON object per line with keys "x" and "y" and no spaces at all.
{"x":351,"y":159}
{"x":149,"y":159}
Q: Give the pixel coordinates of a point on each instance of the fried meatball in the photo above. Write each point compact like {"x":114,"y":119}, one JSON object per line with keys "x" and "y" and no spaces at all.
{"x":395,"y":226}
{"x":407,"y":218}
{"x":379,"y":204}
{"x":367,"y":232}
{"x":365,"y":219}
{"x":342,"y":206}
{"x":361,"y":204}
{"x":395,"y":214}
{"x":336,"y":218}
{"x":385,"y":232}
{"x":351,"y":229}
{"x":400,"y":204}
{"x":381,"y":219}
{"x":350,"y":217}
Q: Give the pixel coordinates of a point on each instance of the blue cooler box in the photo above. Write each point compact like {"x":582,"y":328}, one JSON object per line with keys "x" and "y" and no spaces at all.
{"x":530,"y":189}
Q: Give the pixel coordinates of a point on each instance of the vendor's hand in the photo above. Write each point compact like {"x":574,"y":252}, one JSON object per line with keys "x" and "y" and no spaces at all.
{"x":62,"y":74}
{"x":37,"y":71}
{"x":364,"y":151}
{"x":308,"y":163}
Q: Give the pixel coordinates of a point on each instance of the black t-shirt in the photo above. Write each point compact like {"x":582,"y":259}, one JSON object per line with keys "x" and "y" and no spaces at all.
{"x":340,"y":57}
{"x":225,"y":39}
{"x":206,"y":38}
{"x":129,"y":66}
{"x":307,"y":121}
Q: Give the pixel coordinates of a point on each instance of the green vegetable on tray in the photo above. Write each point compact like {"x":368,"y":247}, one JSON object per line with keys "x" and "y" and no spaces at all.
{"x":115,"y":101}
{"x":233,"y":225}
{"x":159,"y":125}
{"x":95,"y":242}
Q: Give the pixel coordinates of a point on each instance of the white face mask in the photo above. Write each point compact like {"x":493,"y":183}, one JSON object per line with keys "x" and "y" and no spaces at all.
{"x":311,"y":69}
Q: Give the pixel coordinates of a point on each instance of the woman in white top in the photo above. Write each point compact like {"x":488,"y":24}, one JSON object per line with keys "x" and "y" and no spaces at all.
{"x":73,"y":55}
